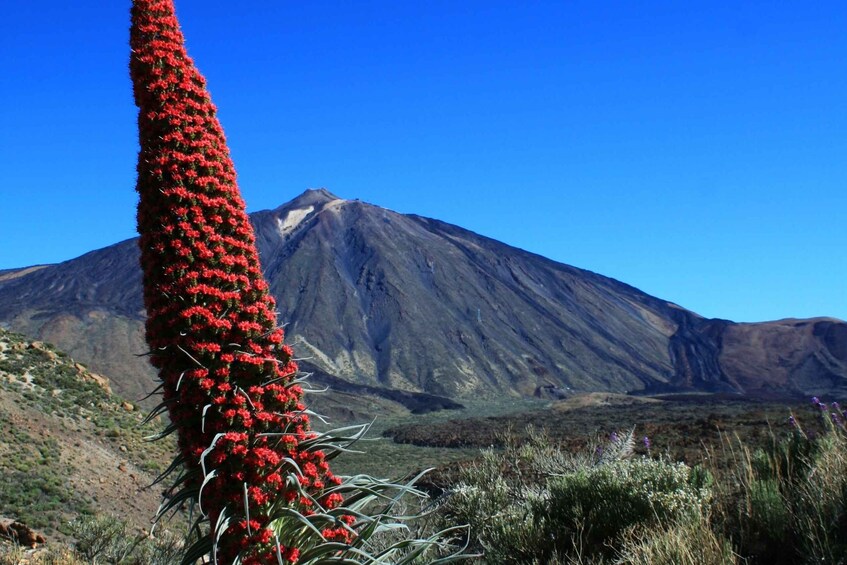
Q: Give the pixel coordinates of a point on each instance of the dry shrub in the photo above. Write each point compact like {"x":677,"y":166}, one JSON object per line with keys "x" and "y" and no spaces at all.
{"x":684,"y":542}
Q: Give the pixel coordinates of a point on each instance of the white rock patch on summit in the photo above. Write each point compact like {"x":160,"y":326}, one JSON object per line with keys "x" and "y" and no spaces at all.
{"x":292,"y":219}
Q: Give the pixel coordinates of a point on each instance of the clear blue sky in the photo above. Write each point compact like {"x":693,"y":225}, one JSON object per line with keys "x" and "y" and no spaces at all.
{"x":695,"y":150}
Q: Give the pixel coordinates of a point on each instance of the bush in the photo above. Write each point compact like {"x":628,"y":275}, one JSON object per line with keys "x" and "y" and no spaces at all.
{"x":595,"y":505}
{"x":100,"y":539}
{"x":535,"y":503}
{"x":682,"y":542}
{"x":107,"y":539}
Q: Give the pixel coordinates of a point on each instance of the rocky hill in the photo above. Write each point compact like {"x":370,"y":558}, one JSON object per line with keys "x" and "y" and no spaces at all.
{"x":388,"y":302}
{"x":69,"y":446}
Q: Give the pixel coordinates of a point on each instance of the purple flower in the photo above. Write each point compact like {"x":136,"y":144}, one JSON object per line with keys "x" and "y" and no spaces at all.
{"x":613,"y":437}
{"x":816,"y":400}
{"x":646,"y":441}
{"x":792,"y":421}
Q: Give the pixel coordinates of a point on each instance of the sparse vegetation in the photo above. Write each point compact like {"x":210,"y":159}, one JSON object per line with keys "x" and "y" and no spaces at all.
{"x":680,"y":425}
{"x":787,"y":502}
{"x":33,"y":488}
{"x":102,"y":539}
{"x":108,"y":539}
{"x":49,"y":405}
{"x":534,"y":502}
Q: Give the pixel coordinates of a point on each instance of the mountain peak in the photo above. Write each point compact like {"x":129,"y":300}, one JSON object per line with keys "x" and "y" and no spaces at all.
{"x":291,"y":214}
{"x":312,"y":197}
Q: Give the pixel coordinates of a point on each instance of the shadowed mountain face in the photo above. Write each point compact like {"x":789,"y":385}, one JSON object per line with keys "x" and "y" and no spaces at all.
{"x":390,"y":301}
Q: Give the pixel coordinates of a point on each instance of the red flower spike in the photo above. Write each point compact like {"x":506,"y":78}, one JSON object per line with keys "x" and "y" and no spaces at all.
{"x":204,"y":291}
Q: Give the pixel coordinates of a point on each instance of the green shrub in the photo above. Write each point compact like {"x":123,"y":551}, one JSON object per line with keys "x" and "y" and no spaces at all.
{"x":535,"y":503}
{"x":597,"y":504}
{"x":502,"y":519}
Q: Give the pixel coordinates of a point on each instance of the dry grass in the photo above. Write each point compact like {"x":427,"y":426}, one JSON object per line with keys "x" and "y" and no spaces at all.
{"x":686,"y":542}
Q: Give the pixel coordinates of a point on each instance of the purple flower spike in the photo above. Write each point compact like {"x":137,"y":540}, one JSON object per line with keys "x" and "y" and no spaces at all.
{"x":646,"y":441}
{"x":613,"y":437}
{"x":792,"y":421}
{"x":816,"y":400}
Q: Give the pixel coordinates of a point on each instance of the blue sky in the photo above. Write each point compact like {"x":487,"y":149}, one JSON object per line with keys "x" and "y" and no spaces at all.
{"x":695,"y":150}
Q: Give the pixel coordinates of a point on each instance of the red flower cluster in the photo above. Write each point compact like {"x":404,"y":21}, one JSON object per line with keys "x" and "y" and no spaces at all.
{"x":211,"y":320}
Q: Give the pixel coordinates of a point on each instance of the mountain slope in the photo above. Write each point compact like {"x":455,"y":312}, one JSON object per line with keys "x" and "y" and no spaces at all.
{"x":391,"y":301}
{"x":70,"y":446}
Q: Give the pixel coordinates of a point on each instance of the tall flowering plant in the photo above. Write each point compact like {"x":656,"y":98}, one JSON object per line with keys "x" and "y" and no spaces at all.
{"x":227,"y":378}
{"x":248,"y":458}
